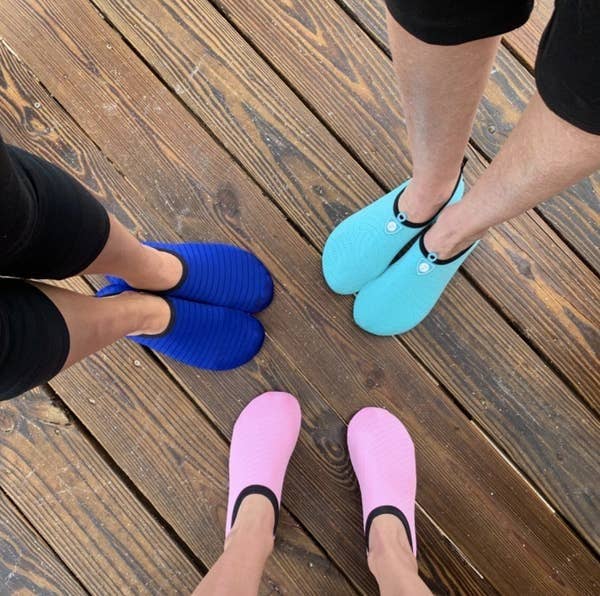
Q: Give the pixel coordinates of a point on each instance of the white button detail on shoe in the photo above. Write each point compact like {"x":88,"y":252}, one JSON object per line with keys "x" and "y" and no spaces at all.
{"x":391,"y":227}
{"x":423,"y":268}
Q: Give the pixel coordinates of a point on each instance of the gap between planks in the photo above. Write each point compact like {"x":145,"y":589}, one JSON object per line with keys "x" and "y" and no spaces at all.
{"x":36,"y":534}
{"x":304,"y":235}
{"x":146,"y":502}
{"x":516,"y":328}
{"x":121,"y":174}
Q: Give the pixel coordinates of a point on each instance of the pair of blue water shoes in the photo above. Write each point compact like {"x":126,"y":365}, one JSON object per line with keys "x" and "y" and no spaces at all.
{"x":211,"y":325}
{"x":379,"y":255}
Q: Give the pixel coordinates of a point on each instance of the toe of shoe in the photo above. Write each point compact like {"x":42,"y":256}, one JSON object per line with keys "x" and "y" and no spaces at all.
{"x":339,"y":283}
{"x":334,"y":270}
{"x":265,"y":290}
{"x":382,"y":310}
{"x":341,"y":269}
{"x":370,"y":316}
{"x":277,"y":407}
{"x":371,"y":426}
{"x":243,"y":346}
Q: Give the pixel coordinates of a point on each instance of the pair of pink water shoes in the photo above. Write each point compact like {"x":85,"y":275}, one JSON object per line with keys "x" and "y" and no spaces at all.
{"x":381,"y":451}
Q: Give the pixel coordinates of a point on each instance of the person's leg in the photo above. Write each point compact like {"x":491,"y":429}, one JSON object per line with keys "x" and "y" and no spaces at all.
{"x":542,"y":156}
{"x":94,"y":323}
{"x":264,"y":437}
{"x":51,"y":227}
{"x":442,"y":52}
{"x":239,"y":570}
{"x":139,"y":265}
{"x":440,"y":87}
{"x":392,"y":561}
{"x":45,"y":329}
{"x":556,"y":142}
{"x":383,"y":458}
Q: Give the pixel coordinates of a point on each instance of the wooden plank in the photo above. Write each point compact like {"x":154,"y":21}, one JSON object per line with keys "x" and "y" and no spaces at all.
{"x":494,"y":512}
{"x":275,"y":146}
{"x":178,"y":460}
{"x":80,"y":506}
{"x":368,"y":93}
{"x":57,"y":139}
{"x":27,"y":564}
{"x":198,"y":507}
{"x":320,"y":472}
{"x":524,"y":427}
{"x":573,"y":213}
{"x":372,"y":17}
{"x":524,"y":41}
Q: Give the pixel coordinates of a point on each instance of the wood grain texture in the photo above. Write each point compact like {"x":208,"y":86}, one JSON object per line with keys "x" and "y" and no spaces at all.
{"x":517,"y":403}
{"x":525,"y":40}
{"x":81,"y":507}
{"x":320,"y":472}
{"x":27,"y":564}
{"x":225,"y":82}
{"x":58,"y":140}
{"x":574,"y":213}
{"x":493,"y":512}
{"x":178,"y":460}
{"x":271,"y":25}
{"x":194,"y":508}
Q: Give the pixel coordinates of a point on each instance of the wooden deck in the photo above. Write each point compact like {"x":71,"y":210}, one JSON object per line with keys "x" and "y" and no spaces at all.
{"x":263,"y":123}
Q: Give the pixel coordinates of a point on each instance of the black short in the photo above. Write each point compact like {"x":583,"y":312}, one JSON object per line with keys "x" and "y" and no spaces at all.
{"x":51,"y":227}
{"x":567,"y":69}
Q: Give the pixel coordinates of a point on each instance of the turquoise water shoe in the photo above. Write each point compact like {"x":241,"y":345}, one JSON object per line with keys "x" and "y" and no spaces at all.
{"x":362,"y":246}
{"x":403,"y":296}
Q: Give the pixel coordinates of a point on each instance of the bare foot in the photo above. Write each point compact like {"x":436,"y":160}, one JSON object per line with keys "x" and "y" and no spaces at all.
{"x":254,"y":521}
{"x":387,"y":537}
{"x":450,"y":235}
{"x":149,"y":315}
{"x":421,"y":203}
{"x":391,"y":559}
{"x":162,"y":271}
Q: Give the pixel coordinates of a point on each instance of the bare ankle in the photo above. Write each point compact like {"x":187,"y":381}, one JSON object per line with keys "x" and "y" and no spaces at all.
{"x":388,"y":542}
{"x":161,"y":271}
{"x":253,"y":525}
{"x":423,"y":198}
{"x":391,"y":559}
{"x":147,"y":314}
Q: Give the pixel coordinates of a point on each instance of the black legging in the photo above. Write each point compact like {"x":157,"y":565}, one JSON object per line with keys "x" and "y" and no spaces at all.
{"x":51,"y":227}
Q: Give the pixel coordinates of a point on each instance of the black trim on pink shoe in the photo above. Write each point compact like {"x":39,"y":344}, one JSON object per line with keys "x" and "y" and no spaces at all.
{"x":256,"y":489}
{"x":390,"y":510}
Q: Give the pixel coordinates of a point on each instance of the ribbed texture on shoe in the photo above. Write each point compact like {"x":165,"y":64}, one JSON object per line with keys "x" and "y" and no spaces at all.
{"x":219,"y":274}
{"x":383,"y":458}
{"x":264,"y":437}
{"x":206,"y":336}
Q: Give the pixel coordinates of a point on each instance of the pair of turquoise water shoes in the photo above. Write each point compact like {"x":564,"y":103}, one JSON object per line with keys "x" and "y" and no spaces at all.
{"x":379,"y":254}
